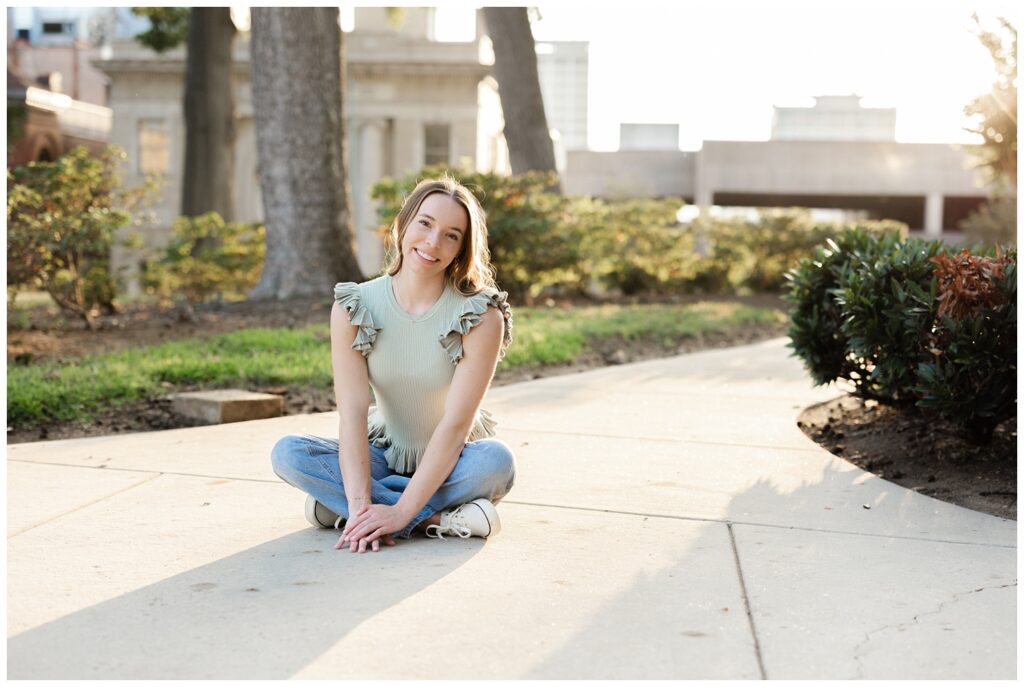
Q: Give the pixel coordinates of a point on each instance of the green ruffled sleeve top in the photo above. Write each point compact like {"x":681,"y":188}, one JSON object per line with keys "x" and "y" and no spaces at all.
{"x":411,"y":362}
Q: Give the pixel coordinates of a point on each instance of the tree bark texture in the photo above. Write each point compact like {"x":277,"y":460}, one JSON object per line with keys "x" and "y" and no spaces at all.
{"x":209,"y":115}
{"x":297,"y":89}
{"x":515,"y":67}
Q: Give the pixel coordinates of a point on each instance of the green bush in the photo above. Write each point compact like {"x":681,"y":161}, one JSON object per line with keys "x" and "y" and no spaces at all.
{"x":816,"y":317}
{"x":633,"y":246}
{"x":905,"y":321}
{"x":61,"y":222}
{"x":206,"y":258}
{"x":970,"y":374}
{"x":887,"y":298}
{"x":743,"y":255}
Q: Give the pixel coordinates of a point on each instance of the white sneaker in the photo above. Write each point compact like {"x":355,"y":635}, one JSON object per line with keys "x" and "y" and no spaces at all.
{"x":319,"y":515}
{"x":474,"y":519}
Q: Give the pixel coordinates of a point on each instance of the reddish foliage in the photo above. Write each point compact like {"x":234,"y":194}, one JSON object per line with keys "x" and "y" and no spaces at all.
{"x":967,"y":283}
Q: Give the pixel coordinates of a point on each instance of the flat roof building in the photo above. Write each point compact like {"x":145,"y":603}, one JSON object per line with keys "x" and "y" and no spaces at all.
{"x":834,"y":118}
{"x":648,"y":136}
{"x":835,"y":155}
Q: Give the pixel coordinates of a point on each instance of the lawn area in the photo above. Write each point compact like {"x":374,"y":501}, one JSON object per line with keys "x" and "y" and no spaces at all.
{"x":46,"y":392}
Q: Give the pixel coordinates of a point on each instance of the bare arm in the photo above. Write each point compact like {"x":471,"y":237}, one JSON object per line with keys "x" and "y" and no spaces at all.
{"x":473,"y":374}
{"x":352,"y":394}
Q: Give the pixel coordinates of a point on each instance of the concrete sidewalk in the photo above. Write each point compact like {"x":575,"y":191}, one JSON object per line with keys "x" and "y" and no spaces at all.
{"x":669,"y":520}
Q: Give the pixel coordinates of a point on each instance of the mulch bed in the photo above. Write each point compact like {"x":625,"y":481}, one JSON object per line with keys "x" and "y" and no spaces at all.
{"x":903,"y":445}
{"x":919,"y":450}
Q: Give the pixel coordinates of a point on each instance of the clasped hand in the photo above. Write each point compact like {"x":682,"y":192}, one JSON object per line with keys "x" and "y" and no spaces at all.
{"x":372,"y":524}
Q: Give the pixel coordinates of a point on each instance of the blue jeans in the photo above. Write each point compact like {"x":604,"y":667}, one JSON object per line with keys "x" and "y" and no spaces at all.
{"x":485,"y":469}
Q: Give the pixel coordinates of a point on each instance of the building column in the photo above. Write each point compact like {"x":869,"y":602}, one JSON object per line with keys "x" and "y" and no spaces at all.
{"x":703,"y":195}
{"x":369,"y":170}
{"x":933,"y":215}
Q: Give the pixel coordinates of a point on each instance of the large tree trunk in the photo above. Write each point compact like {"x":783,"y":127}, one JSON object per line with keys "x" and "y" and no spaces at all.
{"x":209,"y":115}
{"x":297,"y":87}
{"x":515,"y":68}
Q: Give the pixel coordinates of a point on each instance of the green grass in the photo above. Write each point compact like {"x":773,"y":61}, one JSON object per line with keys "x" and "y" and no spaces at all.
{"x":46,"y":392}
{"x":550,"y":336}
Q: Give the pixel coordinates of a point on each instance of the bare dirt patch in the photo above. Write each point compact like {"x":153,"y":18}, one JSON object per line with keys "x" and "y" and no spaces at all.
{"x":919,"y":450}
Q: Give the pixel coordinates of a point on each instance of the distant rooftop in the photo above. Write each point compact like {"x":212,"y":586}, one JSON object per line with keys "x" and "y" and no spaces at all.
{"x":834,"y":118}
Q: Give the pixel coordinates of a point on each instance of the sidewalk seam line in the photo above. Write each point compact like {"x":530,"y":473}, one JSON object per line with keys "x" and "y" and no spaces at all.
{"x":625,"y":390}
{"x":85,"y":505}
{"x":746,"y":603}
{"x":809,"y":449}
{"x":694,"y":518}
{"x":160,"y":472}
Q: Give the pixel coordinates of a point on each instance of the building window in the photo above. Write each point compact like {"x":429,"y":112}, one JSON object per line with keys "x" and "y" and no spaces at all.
{"x":56,"y":28}
{"x":437,"y":147}
{"x":152,"y":146}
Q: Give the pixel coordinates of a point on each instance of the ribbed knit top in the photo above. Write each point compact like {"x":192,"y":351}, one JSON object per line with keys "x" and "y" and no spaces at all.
{"x":410,"y":361}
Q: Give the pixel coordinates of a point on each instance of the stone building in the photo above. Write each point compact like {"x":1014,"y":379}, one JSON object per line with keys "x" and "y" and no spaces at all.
{"x":410,"y":101}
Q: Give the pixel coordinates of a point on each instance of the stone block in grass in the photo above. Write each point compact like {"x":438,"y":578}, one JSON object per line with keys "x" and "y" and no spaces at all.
{"x":227,"y":405}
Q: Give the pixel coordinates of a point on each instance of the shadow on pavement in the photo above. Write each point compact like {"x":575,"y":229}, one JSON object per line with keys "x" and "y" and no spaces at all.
{"x":834,"y":605}
{"x":266,"y":612}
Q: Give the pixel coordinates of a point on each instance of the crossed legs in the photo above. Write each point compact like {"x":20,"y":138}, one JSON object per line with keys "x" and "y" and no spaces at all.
{"x":485,"y":469}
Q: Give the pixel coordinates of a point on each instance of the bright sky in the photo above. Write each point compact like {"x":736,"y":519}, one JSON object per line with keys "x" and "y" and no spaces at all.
{"x":716,"y":67}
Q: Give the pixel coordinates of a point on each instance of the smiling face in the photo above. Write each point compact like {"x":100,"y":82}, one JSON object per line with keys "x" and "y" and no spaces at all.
{"x":441,"y":230}
{"x":435,"y":235}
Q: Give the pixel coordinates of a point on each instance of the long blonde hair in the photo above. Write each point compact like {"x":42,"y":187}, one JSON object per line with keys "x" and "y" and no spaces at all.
{"x":471,"y":270}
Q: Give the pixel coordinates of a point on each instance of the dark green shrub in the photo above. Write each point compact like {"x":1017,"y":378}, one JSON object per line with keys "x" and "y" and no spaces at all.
{"x":206,"y":258}
{"x":906,"y":320}
{"x":887,"y":298}
{"x":816,"y":318}
{"x":62,"y":218}
{"x":970,"y":375}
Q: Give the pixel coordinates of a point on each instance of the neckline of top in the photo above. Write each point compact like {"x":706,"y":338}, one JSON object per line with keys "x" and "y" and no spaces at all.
{"x":393,"y":301}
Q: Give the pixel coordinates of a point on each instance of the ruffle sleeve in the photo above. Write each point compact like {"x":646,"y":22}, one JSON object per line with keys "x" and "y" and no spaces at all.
{"x":475,"y":306}
{"x":346,"y":294}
